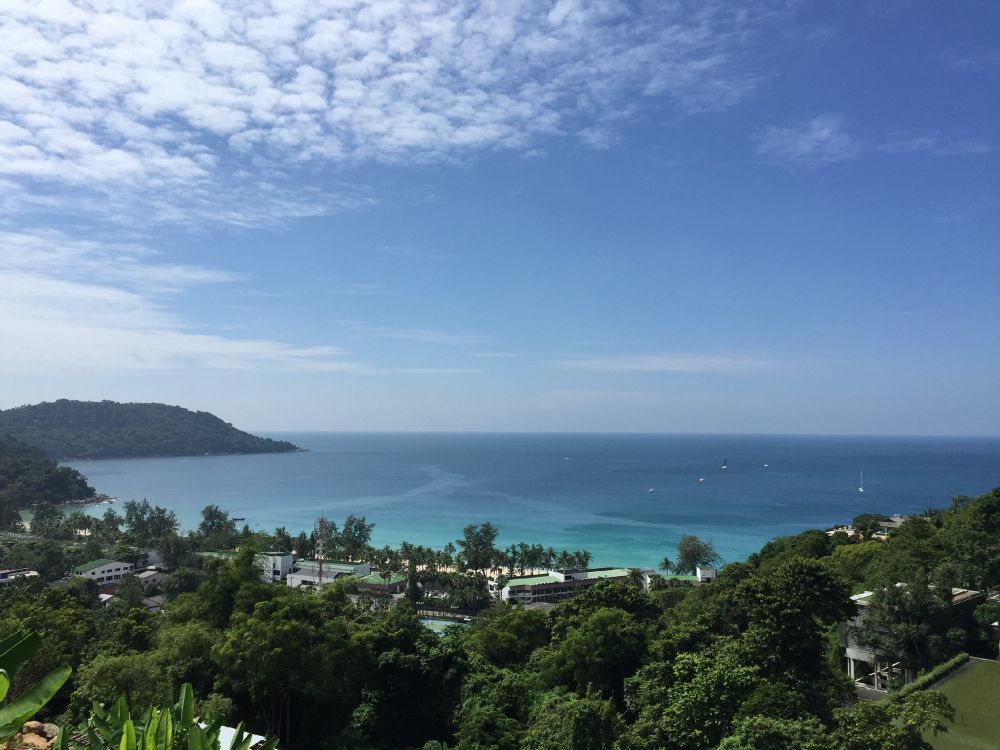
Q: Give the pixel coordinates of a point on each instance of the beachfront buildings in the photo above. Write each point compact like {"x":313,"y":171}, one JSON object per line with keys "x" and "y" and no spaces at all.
{"x":103,"y":571}
{"x":307,"y":572}
{"x":868,"y":669}
{"x":557,"y":585}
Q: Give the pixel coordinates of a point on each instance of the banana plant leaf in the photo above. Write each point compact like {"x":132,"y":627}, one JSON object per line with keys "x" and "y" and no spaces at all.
{"x":16,"y":649}
{"x":18,"y":711}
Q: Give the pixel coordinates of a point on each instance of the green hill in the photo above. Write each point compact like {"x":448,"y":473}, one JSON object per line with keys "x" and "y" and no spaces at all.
{"x":29,"y":478}
{"x":107,"y":429}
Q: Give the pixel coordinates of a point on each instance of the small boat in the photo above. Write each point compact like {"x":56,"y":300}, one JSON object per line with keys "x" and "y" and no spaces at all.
{"x":765,"y":466}
{"x":724,"y":462}
{"x":652,"y":490}
{"x":701,"y":478}
{"x":861,"y":486}
{"x":565,"y":458}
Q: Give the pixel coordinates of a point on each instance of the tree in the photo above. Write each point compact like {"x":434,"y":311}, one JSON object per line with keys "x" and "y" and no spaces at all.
{"x":355,"y":537}
{"x":477,"y":545}
{"x":666,"y":564}
{"x":692,"y":552}
{"x":597,"y":652}
{"x":47,"y":522}
{"x":770,"y":733}
{"x":217,"y":527}
{"x":893,"y":725}
{"x":571,"y":722}
{"x":867,"y":524}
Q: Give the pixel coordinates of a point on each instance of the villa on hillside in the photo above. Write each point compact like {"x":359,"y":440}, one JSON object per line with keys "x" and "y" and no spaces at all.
{"x":865,"y":668}
{"x":10,"y":575}
{"x":557,"y":585}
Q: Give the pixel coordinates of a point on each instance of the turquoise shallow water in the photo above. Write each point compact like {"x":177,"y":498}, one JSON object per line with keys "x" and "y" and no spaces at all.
{"x":567,"y":491}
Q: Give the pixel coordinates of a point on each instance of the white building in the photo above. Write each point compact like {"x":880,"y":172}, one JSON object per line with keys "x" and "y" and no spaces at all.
{"x":103,"y":571}
{"x":274,"y":566}
{"x":704,"y":575}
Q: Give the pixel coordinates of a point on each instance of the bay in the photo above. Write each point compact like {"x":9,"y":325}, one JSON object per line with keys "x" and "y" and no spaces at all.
{"x":566,"y":491}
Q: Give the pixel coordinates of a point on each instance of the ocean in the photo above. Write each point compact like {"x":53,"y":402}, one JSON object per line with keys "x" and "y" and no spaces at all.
{"x":566,"y":491}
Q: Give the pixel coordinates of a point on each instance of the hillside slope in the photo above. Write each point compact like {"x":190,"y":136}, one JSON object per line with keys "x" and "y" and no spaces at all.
{"x":107,"y":429}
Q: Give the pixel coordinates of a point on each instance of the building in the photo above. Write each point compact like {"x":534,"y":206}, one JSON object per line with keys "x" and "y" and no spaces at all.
{"x":376,"y":585}
{"x":704,"y":575}
{"x":103,"y":571}
{"x":150,"y":576}
{"x":154,"y":603}
{"x":274,"y":566}
{"x":557,"y":585}
{"x":307,"y":572}
{"x":864,"y":668}
{"x":16,"y":574}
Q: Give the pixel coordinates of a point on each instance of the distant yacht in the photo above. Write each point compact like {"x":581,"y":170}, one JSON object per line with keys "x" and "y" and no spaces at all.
{"x":765,"y":466}
{"x":724,"y":462}
{"x":701,"y":478}
{"x":565,"y":458}
{"x":861,"y":486}
{"x":652,"y":490}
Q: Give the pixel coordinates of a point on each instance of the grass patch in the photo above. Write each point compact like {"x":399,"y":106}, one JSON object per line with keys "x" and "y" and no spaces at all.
{"x":975,"y":693}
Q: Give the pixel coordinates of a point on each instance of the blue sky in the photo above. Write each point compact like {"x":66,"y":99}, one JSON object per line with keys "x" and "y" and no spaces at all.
{"x":555,"y":216}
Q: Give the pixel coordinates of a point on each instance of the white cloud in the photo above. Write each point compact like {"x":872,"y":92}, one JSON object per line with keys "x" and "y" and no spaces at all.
{"x":822,"y":140}
{"x":678,"y":362}
{"x":827,"y":139}
{"x":411,"y":335}
{"x":202,"y":108}
{"x":77,"y":306}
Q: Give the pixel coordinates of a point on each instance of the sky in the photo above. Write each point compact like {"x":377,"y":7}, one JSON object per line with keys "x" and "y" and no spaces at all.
{"x":551,"y":215}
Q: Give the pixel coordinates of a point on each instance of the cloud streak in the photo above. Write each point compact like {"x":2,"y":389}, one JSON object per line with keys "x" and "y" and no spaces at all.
{"x":677,"y":362}
{"x":69,"y":305}
{"x":828,"y":139}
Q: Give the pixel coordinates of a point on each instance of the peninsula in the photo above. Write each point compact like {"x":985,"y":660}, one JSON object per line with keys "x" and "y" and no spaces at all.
{"x":66,"y":429}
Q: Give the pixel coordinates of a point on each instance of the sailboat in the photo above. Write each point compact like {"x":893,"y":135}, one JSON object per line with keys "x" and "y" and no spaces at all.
{"x":724,"y":462}
{"x":701,"y":478}
{"x":861,"y":486}
{"x":652,"y":490}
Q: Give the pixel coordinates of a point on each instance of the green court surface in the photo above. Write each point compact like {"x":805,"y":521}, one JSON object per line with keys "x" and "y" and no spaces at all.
{"x":974,"y":691}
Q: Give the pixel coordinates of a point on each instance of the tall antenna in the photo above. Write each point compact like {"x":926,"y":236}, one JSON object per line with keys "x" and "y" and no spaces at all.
{"x":320,"y":533}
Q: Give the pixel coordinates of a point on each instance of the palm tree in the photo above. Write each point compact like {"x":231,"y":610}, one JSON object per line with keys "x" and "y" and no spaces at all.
{"x":666,"y":565}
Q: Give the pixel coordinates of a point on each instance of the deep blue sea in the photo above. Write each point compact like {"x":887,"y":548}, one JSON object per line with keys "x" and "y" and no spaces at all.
{"x":567,"y":491}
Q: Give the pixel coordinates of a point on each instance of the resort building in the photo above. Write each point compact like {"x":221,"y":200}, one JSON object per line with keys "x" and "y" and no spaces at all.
{"x":16,"y":574}
{"x":378,"y":586}
{"x":274,"y":566}
{"x":557,"y":585}
{"x":307,"y":572}
{"x":865,"y":669}
{"x":103,"y":571}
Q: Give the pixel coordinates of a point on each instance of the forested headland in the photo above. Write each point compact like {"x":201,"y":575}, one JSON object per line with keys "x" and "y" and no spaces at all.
{"x":751,"y":661}
{"x":107,"y":429}
{"x":30,"y":478}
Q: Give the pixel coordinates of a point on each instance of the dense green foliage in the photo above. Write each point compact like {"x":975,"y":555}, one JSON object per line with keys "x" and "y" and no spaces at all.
{"x":107,"y":429}
{"x":28,"y":478}
{"x":751,"y":661}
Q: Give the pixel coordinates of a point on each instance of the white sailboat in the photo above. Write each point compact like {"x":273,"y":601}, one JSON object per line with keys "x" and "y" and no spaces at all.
{"x":725,"y":461}
{"x":701,"y":478}
{"x":652,"y":490}
{"x":861,"y":485}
